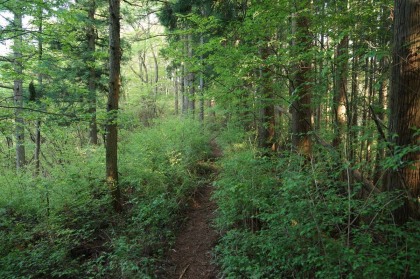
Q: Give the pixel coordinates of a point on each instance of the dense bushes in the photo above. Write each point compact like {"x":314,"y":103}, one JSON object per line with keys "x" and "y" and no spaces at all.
{"x":284,"y":218}
{"x":62,"y":225}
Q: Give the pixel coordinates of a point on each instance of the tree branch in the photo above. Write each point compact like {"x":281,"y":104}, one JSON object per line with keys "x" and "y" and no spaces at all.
{"x":44,"y":112}
{"x":7,"y":87}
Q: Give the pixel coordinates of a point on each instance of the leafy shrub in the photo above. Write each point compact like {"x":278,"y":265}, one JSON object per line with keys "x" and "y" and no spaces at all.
{"x":62,"y":225}
{"x":284,"y":218}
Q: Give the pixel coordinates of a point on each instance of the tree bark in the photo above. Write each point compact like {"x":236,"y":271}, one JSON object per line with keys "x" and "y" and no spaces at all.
{"x":266,"y":126}
{"x":191,"y":77}
{"x":176,"y":88}
{"x":201,"y":115}
{"x":18,"y":90}
{"x":340,"y":92}
{"x":353,"y":115}
{"x":91,"y":36}
{"x":301,"y":88}
{"x":40,"y":84}
{"x":404,"y":106}
{"x":184,"y":82}
{"x":382,"y":101}
{"x":112,"y":108}
{"x":156,"y":80}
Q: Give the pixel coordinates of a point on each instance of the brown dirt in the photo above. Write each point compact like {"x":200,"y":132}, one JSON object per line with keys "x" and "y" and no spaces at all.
{"x":191,"y":256}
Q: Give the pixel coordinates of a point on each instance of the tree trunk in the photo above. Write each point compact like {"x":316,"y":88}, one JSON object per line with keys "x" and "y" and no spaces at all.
{"x":354,"y":107}
{"x":184,"y":83}
{"x":404,"y":106}
{"x":364,"y":109}
{"x":18,"y":90}
{"x":301,"y":106}
{"x":340,"y":92}
{"x":93,"y":134}
{"x":380,"y":115}
{"x":266,"y":127}
{"x":156,"y":82}
{"x":191,"y":77}
{"x":176,"y":92}
{"x":40,"y":84}
{"x":201,"y":117}
{"x":382,"y":102}
{"x":112,"y":108}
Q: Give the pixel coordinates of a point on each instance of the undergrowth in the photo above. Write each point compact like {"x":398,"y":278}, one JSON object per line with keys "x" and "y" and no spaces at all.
{"x":61,"y":224}
{"x":284,"y":217}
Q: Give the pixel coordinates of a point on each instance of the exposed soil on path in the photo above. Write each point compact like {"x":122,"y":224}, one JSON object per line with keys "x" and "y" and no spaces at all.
{"x":191,"y":257}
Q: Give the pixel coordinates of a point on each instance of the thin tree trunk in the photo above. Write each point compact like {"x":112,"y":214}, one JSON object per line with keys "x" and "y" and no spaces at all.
{"x":354,"y":107}
{"x":184,"y":83}
{"x":191,"y":78}
{"x":340,"y":93}
{"x":156,"y":82}
{"x":176,"y":92}
{"x":266,"y":126}
{"x":371,"y":97}
{"x":380,"y":107}
{"x":40,"y":84}
{"x":363,"y":142}
{"x":93,"y":134}
{"x":112,"y":109}
{"x":18,"y":91}
{"x":380,"y":154}
{"x":201,"y":117}
{"x":321,"y":81}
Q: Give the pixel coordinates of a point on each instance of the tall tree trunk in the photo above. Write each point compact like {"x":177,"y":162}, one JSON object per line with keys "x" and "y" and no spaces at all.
{"x":354,"y":107}
{"x":266,"y":126}
{"x":321,"y":80}
{"x":364,"y":109}
{"x":176,"y":88}
{"x":112,"y":108}
{"x":404,"y":106}
{"x":18,"y":90}
{"x":39,"y":94}
{"x":156,"y":82}
{"x":340,"y":92}
{"x":384,"y":38}
{"x":191,"y":78}
{"x":371,"y":97}
{"x":301,"y":106}
{"x":201,"y":116}
{"x":93,"y":134}
{"x":184,"y":83}
{"x":380,"y":116}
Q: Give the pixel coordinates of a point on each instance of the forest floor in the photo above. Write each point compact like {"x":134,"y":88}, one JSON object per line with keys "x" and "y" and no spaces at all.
{"x":191,"y":256}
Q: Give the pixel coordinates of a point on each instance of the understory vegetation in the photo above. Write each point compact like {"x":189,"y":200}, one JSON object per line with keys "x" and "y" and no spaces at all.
{"x":61,"y":225}
{"x":282,"y":217}
{"x":111,"y":111}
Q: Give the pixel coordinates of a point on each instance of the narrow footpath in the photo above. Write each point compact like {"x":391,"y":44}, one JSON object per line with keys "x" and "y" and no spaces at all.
{"x":191,"y":256}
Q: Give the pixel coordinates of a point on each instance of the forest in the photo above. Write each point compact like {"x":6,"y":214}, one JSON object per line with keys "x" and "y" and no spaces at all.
{"x":209,"y":139}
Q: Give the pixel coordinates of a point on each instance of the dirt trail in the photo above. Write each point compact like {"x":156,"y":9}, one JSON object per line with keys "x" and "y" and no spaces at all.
{"x":191,"y":257}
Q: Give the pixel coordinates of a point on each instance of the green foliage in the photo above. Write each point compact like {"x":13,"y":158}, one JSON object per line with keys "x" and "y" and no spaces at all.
{"x":283,"y":218}
{"x":62,"y":225}
{"x":159,"y":172}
